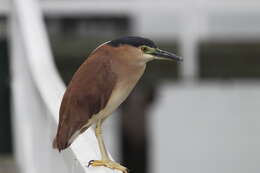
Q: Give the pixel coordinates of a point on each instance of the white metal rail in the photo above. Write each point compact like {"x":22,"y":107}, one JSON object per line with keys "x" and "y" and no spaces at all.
{"x":36,"y":94}
{"x":37,"y":89}
{"x":186,"y":21}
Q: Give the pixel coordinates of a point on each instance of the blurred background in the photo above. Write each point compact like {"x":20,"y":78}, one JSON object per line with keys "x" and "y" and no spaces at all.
{"x":200,"y":116}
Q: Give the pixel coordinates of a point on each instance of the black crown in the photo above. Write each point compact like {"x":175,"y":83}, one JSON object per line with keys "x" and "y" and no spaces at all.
{"x":133,"y":41}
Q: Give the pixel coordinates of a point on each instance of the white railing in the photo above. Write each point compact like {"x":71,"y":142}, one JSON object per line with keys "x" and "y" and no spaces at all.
{"x":37,"y":90}
{"x":185,"y":21}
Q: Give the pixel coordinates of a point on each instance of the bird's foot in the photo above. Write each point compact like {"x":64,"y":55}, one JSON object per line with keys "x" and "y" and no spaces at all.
{"x":109,"y":164}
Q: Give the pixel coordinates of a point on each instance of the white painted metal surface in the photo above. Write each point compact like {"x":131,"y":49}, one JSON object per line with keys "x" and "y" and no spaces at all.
{"x":197,"y":143}
{"x":206,"y":128}
{"x":36,"y":94}
{"x":4,"y":7}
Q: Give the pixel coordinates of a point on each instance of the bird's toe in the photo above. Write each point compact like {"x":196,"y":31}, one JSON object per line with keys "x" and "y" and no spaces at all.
{"x":109,"y":164}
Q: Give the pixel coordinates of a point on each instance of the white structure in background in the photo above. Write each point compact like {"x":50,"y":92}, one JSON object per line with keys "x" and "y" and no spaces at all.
{"x":212,"y":127}
{"x":206,"y":128}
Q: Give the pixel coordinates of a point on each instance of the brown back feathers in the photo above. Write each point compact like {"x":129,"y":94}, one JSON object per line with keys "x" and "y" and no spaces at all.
{"x":86,"y":95}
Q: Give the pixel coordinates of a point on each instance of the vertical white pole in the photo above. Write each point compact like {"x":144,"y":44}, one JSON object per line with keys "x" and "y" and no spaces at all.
{"x":194,"y":24}
{"x":20,"y":100}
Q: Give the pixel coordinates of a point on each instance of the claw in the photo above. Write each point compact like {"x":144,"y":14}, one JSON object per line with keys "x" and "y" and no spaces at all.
{"x":109,"y":164}
{"x":90,"y":162}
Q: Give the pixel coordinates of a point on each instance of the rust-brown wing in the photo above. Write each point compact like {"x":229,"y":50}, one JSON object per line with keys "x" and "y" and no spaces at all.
{"x":87,"y":94}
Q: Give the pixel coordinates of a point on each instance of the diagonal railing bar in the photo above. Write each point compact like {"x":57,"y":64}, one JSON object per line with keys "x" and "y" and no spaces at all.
{"x":29,"y":41}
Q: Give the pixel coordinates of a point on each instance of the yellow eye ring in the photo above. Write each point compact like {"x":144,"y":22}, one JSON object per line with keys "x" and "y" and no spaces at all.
{"x":144,"y":48}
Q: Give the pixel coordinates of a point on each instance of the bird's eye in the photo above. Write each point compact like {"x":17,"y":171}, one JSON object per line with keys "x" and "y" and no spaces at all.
{"x":144,"y":48}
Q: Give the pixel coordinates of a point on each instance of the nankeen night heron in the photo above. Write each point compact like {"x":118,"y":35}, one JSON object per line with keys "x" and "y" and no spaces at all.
{"x":100,"y":85}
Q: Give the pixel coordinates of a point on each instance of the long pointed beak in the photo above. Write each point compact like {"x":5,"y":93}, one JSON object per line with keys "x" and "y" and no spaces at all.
{"x":164,"y":55}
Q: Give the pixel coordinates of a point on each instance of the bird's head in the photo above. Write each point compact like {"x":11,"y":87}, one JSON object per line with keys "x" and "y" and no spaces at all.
{"x":144,"y":47}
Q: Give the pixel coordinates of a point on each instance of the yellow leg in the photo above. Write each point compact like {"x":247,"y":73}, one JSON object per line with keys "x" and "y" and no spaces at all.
{"x":98,"y":132}
{"x":105,"y":161}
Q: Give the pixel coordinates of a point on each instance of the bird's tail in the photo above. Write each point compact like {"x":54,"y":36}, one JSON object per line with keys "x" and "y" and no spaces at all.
{"x":64,"y":138}
{"x":54,"y":144}
{"x":66,"y":135}
{"x":60,"y":144}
